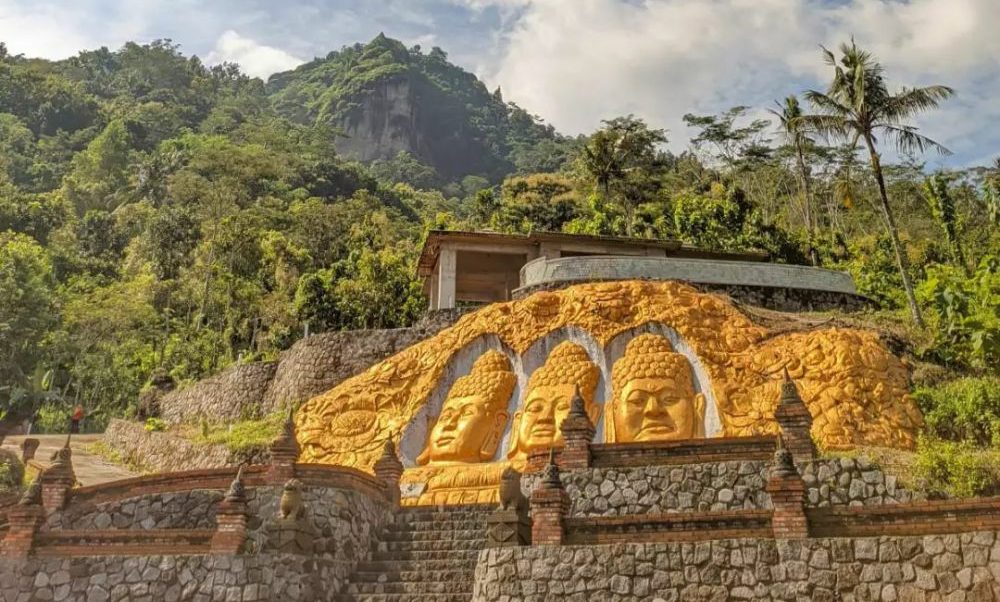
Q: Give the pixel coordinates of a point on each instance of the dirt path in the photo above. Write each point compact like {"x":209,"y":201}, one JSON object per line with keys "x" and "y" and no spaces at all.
{"x":90,"y":468}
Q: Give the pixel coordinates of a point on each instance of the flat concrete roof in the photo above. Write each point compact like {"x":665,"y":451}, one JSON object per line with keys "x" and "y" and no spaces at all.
{"x":514,"y":242}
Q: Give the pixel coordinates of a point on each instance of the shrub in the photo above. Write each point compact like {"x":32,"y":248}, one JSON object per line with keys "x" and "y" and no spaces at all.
{"x":245,"y":435}
{"x":956,"y":469}
{"x":967,"y":409}
{"x":155,"y":424}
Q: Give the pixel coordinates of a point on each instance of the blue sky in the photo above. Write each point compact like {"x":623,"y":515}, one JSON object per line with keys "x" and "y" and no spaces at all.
{"x":575,"y":62}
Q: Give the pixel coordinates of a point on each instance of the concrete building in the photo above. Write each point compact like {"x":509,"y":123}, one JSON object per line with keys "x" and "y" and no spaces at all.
{"x":486,"y":267}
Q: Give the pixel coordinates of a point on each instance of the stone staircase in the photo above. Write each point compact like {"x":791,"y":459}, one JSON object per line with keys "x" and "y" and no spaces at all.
{"x":427,"y":555}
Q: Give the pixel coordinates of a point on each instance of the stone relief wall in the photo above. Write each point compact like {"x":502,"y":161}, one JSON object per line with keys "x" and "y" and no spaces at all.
{"x":719,"y":486}
{"x":310,"y":366}
{"x":961,"y":567}
{"x":258,"y":578}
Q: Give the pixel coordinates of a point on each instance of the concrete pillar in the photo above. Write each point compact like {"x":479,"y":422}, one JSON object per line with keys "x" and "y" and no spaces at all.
{"x":446,"y":267}
{"x":23,"y":521}
{"x":433,"y":280}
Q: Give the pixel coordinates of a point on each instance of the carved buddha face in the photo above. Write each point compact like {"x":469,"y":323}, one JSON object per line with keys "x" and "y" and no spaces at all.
{"x":550,"y":392}
{"x":654,"y":394}
{"x":474,"y":414}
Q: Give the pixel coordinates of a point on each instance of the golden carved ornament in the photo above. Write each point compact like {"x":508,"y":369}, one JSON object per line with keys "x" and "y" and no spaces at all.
{"x":855,"y":388}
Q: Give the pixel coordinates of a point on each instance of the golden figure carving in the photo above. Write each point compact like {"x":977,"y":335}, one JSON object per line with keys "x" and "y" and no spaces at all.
{"x":550,"y":391}
{"x":653,"y":395}
{"x":857,"y":391}
{"x":473,"y":415}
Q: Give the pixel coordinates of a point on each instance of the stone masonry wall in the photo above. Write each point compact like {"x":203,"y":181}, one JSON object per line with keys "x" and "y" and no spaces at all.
{"x":719,"y":486}
{"x":309,"y":367}
{"x":164,"y":452}
{"x":951,"y":567}
{"x":345,"y":521}
{"x":257,"y":578}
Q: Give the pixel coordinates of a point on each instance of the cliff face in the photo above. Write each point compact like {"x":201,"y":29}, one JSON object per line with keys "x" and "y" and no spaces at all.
{"x":387,"y":99}
{"x":386,"y":122}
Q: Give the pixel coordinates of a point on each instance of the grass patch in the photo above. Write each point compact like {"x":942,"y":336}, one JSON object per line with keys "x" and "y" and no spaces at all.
{"x":241,"y":436}
{"x":102,"y":449}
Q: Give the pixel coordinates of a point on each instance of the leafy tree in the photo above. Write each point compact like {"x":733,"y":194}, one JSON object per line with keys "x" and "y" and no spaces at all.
{"x":942,"y":207}
{"x":736,"y":147}
{"x":99,"y":175}
{"x":793,"y":130}
{"x":622,"y":158}
{"x":27,"y":313}
{"x":536,"y":202}
{"x":858,"y":106}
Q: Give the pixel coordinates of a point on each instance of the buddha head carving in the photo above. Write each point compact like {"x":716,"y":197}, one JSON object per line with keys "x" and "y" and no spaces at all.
{"x":654,"y":395}
{"x":474,"y":414}
{"x":549,"y":393}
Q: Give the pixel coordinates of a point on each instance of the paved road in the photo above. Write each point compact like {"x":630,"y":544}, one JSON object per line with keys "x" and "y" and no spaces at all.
{"x":90,"y":468}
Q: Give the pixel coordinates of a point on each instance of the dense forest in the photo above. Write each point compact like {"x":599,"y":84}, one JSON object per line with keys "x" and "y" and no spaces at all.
{"x":161,"y":219}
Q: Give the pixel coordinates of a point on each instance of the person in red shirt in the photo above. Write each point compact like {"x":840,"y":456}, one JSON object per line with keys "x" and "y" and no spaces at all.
{"x":74,"y":425}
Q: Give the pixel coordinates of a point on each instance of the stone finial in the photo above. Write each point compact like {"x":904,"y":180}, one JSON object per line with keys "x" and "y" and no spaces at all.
{"x":28,"y":448}
{"x":784,"y":465}
{"x":237,"y":492}
{"x":576,"y":406}
{"x":795,"y":421}
{"x":389,"y":468}
{"x":64,"y":455}
{"x":550,"y":475}
{"x":32,"y":496}
{"x":577,"y":432}
{"x":284,"y":452}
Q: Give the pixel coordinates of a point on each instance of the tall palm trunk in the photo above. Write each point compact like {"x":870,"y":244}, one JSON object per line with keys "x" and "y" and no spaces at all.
{"x":807,"y":194}
{"x":901,"y":261}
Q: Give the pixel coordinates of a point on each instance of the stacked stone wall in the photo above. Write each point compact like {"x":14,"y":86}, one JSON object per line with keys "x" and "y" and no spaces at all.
{"x":939,"y":567}
{"x":161,"y":451}
{"x":256,"y":578}
{"x":309,"y":367}
{"x":719,"y":486}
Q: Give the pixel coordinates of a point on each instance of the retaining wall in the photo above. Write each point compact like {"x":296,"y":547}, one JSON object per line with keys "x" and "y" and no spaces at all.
{"x":939,"y":567}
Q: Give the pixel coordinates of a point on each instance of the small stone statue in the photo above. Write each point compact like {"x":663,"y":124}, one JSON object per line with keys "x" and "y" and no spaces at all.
{"x":511,"y":496}
{"x":291,"y":506}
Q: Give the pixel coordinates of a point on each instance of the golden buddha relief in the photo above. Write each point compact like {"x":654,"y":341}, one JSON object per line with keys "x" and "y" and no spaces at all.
{"x":856,"y":390}
{"x":549,"y":393}
{"x":653,"y":395}
{"x":473,"y":415}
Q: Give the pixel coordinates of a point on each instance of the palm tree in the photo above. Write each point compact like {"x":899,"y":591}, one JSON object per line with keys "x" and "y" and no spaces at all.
{"x":856,"y":107}
{"x":794,"y":131}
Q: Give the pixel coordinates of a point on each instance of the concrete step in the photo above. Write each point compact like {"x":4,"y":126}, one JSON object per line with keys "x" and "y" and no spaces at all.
{"x":423,"y":555}
{"x":437,"y":545}
{"x":450,"y":535}
{"x":390,"y":566}
{"x":403,"y":598}
{"x":437,"y":525}
{"x":411,"y":576}
{"x":405,"y":587}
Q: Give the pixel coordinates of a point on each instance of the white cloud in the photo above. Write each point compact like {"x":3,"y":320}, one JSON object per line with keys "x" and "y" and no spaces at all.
{"x":40,"y":30}
{"x":255,"y":59}
{"x":663,"y":58}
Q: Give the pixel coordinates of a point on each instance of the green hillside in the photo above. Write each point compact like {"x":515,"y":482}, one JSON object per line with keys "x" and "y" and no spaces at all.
{"x":391,"y":99}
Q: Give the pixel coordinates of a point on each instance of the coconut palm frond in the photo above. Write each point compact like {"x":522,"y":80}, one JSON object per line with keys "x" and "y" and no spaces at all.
{"x":907,"y":139}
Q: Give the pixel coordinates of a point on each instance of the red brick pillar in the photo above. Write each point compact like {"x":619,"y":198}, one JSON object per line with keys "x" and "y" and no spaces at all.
{"x":796,"y":422}
{"x":549,"y":506}
{"x":389,"y":469}
{"x":578,"y":432}
{"x":231,"y":519}
{"x":58,"y":480}
{"x":787,"y":491}
{"x":28,"y":448}
{"x":284,"y":454}
{"x":23,"y":521}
